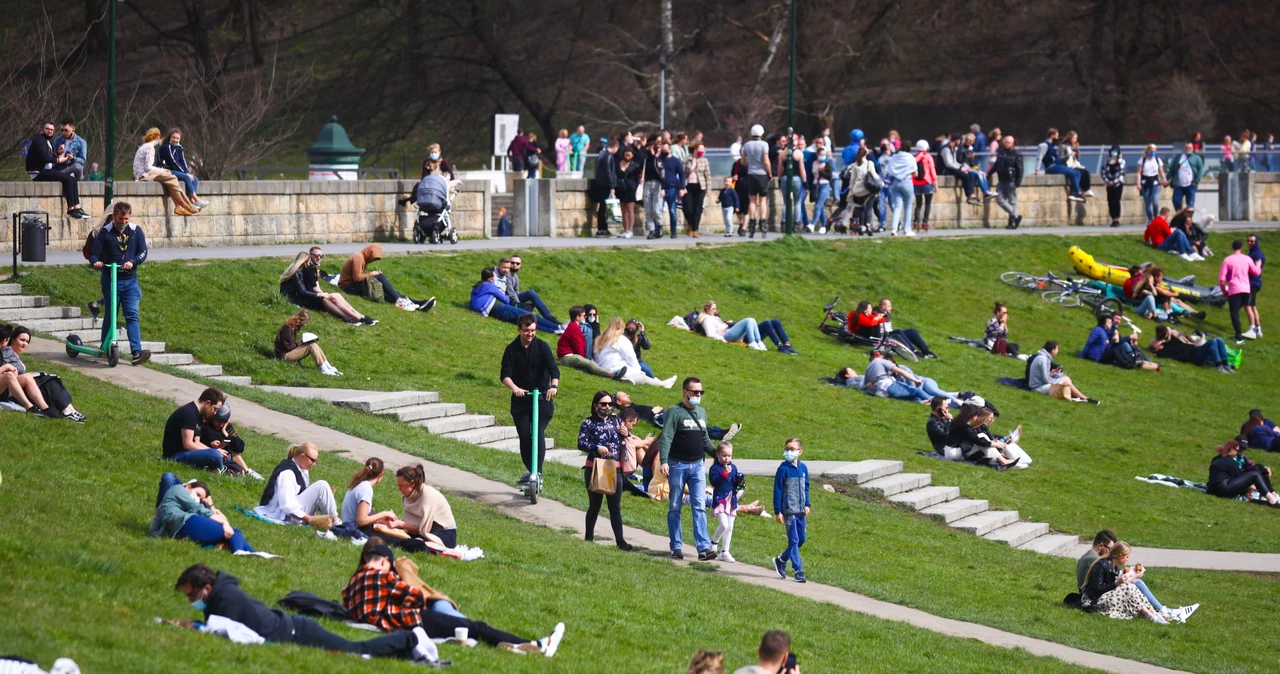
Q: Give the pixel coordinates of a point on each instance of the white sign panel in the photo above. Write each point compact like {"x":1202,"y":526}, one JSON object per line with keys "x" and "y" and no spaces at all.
{"x":504,"y":131}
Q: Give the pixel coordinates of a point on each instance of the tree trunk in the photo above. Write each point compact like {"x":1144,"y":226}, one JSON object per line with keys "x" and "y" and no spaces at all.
{"x":668,"y":73}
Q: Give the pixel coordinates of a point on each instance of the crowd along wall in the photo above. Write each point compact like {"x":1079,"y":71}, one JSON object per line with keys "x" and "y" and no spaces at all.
{"x":247,"y":212}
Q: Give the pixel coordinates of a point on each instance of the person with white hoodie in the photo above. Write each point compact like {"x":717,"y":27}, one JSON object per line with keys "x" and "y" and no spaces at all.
{"x":897,"y":176}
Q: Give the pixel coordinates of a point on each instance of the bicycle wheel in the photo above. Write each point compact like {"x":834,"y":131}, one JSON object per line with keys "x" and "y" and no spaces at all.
{"x":1019,"y":279}
{"x":1066,"y":298}
{"x":1107,"y":305}
{"x":901,"y":349}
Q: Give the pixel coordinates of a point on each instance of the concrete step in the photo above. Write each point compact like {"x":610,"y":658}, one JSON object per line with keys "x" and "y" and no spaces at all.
{"x":80,"y":325}
{"x":458,"y":422}
{"x":920,"y":499}
{"x":427,"y":411}
{"x":511,"y":444}
{"x":89,"y":335}
{"x":865,"y":471}
{"x":985,"y":522}
{"x":233,"y":379}
{"x":1018,"y":533}
{"x":202,"y":370}
{"x":10,"y":289}
{"x":383,"y":402}
{"x":898,"y":483}
{"x":1051,"y":544}
{"x":18,"y":314}
{"x":485,"y":436}
{"x":172,"y":358}
{"x":23,"y":301}
{"x":955,"y":510}
{"x":568,"y":457}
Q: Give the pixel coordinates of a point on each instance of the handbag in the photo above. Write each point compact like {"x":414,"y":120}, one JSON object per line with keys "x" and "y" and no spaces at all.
{"x":604,"y":477}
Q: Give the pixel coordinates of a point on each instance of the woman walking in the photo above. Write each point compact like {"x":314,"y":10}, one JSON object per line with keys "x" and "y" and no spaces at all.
{"x":601,"y":438}
{"x":698,"y":170}
{"x":628,"y":171}
{"x":923,"y":183}
{"x":1150,"y":179}
{"x":1112,"y":175}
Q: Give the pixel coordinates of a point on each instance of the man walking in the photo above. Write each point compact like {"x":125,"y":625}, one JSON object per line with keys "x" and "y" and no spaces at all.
{"x":759,"y":173}
{"x":1185,"y":172}
{"x":604,"y":186}
{"x":1008,"y":168}
{"x":1255,"y":285}
{"x":527,"y":365}
{"x":122,"y":242}
{"x":684,"y":442}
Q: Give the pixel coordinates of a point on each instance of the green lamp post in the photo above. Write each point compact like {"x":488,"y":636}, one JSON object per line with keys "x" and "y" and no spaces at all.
{"x":333,"y":157}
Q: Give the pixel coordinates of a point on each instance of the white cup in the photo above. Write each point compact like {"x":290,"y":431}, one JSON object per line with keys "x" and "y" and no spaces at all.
{"x":460,"y":633}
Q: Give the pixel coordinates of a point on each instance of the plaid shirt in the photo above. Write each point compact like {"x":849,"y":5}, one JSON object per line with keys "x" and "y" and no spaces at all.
{"x":380,"y":598}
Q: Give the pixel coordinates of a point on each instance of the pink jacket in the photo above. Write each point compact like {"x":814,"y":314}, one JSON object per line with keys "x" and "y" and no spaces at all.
{"x":925,"y":160}
{"x":1234,"y":275}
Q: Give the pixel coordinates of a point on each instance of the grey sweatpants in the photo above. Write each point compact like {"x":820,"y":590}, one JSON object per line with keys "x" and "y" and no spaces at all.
{"x":653,"y":204}
{"x":1007,"y":198}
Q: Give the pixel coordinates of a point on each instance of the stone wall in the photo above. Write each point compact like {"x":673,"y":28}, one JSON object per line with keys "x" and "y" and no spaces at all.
{"x":1264,"y":193}
{"x":247,"y":212}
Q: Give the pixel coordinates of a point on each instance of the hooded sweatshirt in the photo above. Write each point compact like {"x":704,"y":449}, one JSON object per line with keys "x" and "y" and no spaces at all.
{"x":353,"y":270}
{"x":229,"y":601}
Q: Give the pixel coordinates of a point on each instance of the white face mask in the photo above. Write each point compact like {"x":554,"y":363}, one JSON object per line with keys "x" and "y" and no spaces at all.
{"x":790,"y":455}
{"x":435,"y":156}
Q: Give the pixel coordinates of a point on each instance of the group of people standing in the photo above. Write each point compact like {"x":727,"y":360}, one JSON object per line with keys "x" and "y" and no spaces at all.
{"x":663,"y":173}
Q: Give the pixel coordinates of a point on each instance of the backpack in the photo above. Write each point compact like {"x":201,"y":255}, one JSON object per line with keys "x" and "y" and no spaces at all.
{"x":373,"y":290}
{"x":305,"y":603}
{"x":88,"y":244}
{"x":691,"y":320}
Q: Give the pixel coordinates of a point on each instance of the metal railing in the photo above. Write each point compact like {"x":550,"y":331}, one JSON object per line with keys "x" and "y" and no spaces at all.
{"x":265,"y":172}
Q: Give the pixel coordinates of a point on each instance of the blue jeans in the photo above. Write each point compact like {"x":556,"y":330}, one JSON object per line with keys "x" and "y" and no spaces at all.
{"x":167,"y":481}
{"x":1179,"y":192}
{"x":982,"y":181}
{"x":445,"y":608}
{"x":1142,"y":587}
{"x":903,"y":199}
{"x":1073,"y":176}
{"x":883,"y":199}
{"x":744,"y":330}
{"x":205,"y":531}
{"x":900,"y":391}
{"x":192,"y":182}
{"x":509,"y":313}
{"x":1151,"y":200}
{"x":644,"y":367}
{"x":1148,"y":307}
{"x":772,"y":329}
{"x":128,"y":294}
{"x":800,"y":203}
{"x":798,"y":215}
{"x":531,"y":297}
{"x":1212,"y":352}
{"x":210,"y":459}
{"x":670,"y":196}
{"x":695,"y":477}
{"x":795,"y":539}
{"x":931,"y":387}
{"x":1176,"y":242}
{"x":820,"y":208}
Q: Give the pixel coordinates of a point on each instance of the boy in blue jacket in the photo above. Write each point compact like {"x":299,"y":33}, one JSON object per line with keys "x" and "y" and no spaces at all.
{"x":728,"y":200}
{"x":791,"y":503}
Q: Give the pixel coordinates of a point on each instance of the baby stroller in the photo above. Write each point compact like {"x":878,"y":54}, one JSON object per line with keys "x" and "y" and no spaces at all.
{"x":436,"y":226}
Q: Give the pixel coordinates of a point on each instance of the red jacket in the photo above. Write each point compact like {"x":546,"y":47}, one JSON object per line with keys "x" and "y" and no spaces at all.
{"x":926,"y":167}
{"x":864,"y":321}
{"x":1156,"y":232}
{"x":572,"y":341}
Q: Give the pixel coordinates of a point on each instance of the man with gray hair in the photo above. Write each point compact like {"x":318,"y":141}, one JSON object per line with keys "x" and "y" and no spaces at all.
{"x":1008,"y":168}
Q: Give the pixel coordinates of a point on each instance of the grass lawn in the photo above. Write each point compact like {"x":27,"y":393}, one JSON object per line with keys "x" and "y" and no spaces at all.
{"x":80,"y":578}
{"x":1082,"y":480}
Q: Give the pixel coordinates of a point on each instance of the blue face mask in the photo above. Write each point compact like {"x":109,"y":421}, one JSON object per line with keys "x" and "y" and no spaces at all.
{"x":199,"y":605}
{"x":695,"y":400}
{"x":435,"y":156}
{"x":790,"y":455}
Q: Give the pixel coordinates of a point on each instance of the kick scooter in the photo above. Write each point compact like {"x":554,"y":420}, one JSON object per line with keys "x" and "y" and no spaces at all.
{"x":107,"y":349}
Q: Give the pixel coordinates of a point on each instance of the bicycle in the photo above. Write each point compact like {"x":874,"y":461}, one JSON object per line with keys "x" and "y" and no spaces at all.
{"x":885,"y":342}
{"x":1064,"y":291}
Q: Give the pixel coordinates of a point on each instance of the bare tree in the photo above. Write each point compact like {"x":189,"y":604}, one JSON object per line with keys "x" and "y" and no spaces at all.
{"x":37,"y":86}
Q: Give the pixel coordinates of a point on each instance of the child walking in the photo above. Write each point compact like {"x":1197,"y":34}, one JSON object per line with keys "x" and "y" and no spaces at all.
{"x":791,"y":503}
{"x":728,"y":201}
{"x":725,"y":481}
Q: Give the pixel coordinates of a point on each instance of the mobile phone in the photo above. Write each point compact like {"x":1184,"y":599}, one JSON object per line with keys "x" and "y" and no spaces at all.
{"x":791,"y":663}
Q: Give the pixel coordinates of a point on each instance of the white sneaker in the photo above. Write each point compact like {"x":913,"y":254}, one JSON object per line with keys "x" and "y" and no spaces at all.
{"x":1089,"y":193}
{"x":1257,"y":330}
{"x":759,"y":346}
{"x":911,"y":232}
{"x":1158,"y":619}
{"x":406,"y":304}
{"x":822,"y":230}
{"x":199,"y":203}
{"x":725,"y":557}
{"x":669,"y":382}
{"x":893,"y":233}
{"x":1072,"y":197}
{"x":549,"y":644}
{"x":425,"y":650}
{"x":808,"y":228}
{"x":1198,"y":257}
{"x":1250,"y":334}
{"x":254,"y":474}
{"x":1187,"y":611}
{"x":1187,"y":257}
{"x":626,"y":235}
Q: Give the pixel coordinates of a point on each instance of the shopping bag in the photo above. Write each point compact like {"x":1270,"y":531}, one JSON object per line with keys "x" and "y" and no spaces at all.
{"x":604,"y":477}
{"x":615,"y":210}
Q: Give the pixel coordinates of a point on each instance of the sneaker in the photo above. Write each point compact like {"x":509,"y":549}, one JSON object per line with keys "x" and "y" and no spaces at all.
{"x":38,"y":412}
{"x":1200,"y":315}
{"x":800,"y":577}
{"x":758,"y":346}
{"x":1250,"y":334}
{"x":1089,"y":194}
{"x":725,"y":557}
{"x":822,"y":230}
{"x":893,"y":233}
{"x":1074,"y":197}
{"x":625,"y":546}
{"x":365,"y":320}
{"x":254,"y":474}
{"x":733,"y":431}
{"x":1188,"y":257}
{"x":808,"y":228}
{"x":94,"y":308}
{"x":141,"y":357}
{"x":75,"y":416}
{"x":677,"y":554}
{"x":669,"y":382}
{"x":781,"y":567}
{"x":1017,"y":222}
{"x":1159,"y":619}
{"x":406,"y":304}
{"x":728,"y":235}
{"x":931,"y":355}
{"x":330,"y":371}
{"x":1198,"y":257}
{"x":1257,"y":330}
{"x":627,"y":235}
{"x":706,"y":555}
{"x":1187,"y":612}
{"x":551,"y":643}
{"x":911,"y":233}
{"x":428,"y":305}
{"x":524,"y":479}
{"x":1239,"y":340}
{"x":974,"y":200}
{"x":1093,"y":401}
{"x":199,"y":203}
{"x":561,"y":328}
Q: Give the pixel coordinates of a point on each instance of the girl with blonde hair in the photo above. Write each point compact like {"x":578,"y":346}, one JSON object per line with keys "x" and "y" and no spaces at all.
{"x":144,"y":168}
{"x":615,"y":352}
{"x":300,"y":284}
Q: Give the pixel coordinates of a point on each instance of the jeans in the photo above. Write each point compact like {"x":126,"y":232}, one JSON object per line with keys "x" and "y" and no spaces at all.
{"x":798,"y":214}
{"x":1179,"y":192}
{"x":1148,"y":306}
{"x":531,"y":297}
{"x":1151,"y":199}
{"x":1007,"y":197}
{"x":744,"y":330}
{"x":1142,"y":587}
{"x":772,"y":329}
{"x":728,"y":219}
{"x":902,"y":197}
{"x":653,"y":204}
{"x":388,"y":291}
{"x":167,"y":481}
{"x":577,"y":160}
{"x":200,"y":458}
{"x":192,"y":183}
{"x":1212,"y":352}
{"x":930,"y":386}
{"x":1073,"y":176}
{"x":70,"y":186}
{"x":820,"y":207}
{"x":913,"y":338}
{"x":445,"y":608}
{"x":882,"y":202}
{"x":1176,"y":242}
{"x":205,"y":531}
{"x":795,"y":539}
{"x":128,"y":295}
{"x":900,"y":391}
{"x":644,"y":367}
{"x":307,"y":632}
{"x":967,"y":181}
{"x":587,"y":365}
{"x":669,"y":198}
{"x":694,"y":475}
{"x":510,"y":313}
{"x":982,"y":181}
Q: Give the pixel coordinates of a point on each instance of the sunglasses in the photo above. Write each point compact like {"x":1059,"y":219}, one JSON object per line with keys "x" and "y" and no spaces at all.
{"x":691,"y":391}
{"x":604,"y":403}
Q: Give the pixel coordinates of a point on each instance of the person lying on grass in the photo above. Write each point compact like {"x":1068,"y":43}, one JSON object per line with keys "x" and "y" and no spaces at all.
{"x":187,"y":512}
{"x":1045,"y":376}
{"x":1261,"y":432}
{"x":886,"y":379}
{"x":220,"y":434}
{"x":218,"y":593}
{"x":927,"y":384}
{"x":746,"y":330}
{"x":1233,"y":476}
{"x":1210,"y":352}
{"x":1106,"y":346}
{"x":40,"y":391}
{"x":387,"y":593}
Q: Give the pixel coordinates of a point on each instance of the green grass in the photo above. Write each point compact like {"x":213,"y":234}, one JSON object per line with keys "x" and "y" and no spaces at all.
{"x":80,"y":578}
{"x":1086,"y":457}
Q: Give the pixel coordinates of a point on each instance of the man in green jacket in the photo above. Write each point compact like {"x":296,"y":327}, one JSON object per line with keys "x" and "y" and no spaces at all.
{"x":684,"y":442}
{"x":1185,"y":171}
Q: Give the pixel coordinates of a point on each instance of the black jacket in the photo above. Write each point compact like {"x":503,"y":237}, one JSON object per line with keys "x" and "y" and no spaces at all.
{"x":968,"y":439}
{"x":1223,"y":468}
{"x":606,"y":170}
{"x":937,"y":429}
{"x":40,"y":153}
{"x":229,"y":601}
{"x":295,"y":288}
{"x":172,"y":157}
{"x":1101,"y":580}
{"x":1008,"y":166}
{"x":531,"y":368}
{"x":106,"y":249}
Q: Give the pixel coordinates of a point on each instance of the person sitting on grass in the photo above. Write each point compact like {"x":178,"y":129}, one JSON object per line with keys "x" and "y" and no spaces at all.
{"x":1160,"y":236}
{"x":997,"y":333}
{"x":1106,"y":346}
{"x":219,"y":594}
{"x":357,"y":507}
{"x":1184,"y":221}
{"x":615,"y":353}
{"x":1108,"y":589}
{"x":910,"y":335}
{"x":886,"y":379}
{"x":427,"y":513}
{"x":488,"y":299}
{"x":291,"y":497}
{"x":571,"y":348}
{"x":300,"y":284}
{"x":970,"y":433}
{"x":187,"y":512}
{"x":938,"y":427}
{"x":44,"y":394}
{"x":1102,"y":543}
{"x":181,"y":440}
{"x":775,"y":647}
{"x":874,"y":324}
{"x":381,"y":595}
{"x":1045,"y":376}
{"x":220,"y":434}
{"x":356,"y":278}
{"x":509,"y":280}
{"x":1209,"y":352}
{"x":290,"y":350}
{"x":640,"y":341}
{"x":1152,"y":300}
{"x":1261,"y":432}
{"x":747,"y":330}
{"x":1233,"y":476}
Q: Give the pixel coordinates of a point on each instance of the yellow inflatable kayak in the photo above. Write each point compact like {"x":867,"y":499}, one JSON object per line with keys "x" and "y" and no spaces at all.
{"x":1116,"y":275}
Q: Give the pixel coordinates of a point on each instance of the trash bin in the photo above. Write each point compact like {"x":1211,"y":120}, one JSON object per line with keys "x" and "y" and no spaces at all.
{"x":35,"y":238}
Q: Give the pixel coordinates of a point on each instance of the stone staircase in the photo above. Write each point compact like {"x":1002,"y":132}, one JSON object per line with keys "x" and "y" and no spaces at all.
{"x":508,"y":200}
{"x":35,"y":313}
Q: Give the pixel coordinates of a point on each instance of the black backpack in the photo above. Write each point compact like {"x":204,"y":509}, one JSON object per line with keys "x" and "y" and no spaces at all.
{"x":305,"y":603}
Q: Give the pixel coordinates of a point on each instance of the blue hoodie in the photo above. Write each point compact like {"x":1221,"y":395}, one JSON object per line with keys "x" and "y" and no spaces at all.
{"x":1255,"y":253}
{"x":484,"y":295}
{"x":791,"y":489}
{"x":723,"y":483}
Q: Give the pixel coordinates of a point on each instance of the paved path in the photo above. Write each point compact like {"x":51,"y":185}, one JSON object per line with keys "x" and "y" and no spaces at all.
{"x":558,"y":516}
{"x":523,"y":243}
